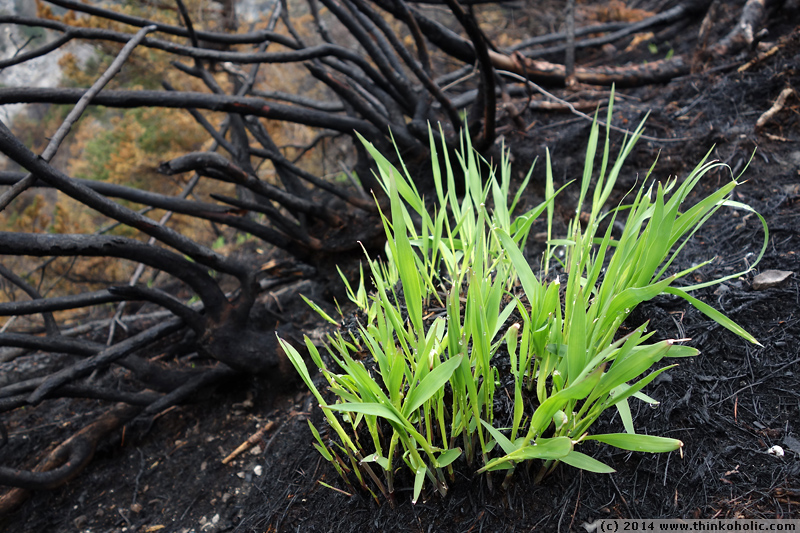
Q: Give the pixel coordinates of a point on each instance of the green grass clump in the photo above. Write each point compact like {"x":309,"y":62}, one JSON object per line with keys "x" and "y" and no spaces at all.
{"x":425,"y":396}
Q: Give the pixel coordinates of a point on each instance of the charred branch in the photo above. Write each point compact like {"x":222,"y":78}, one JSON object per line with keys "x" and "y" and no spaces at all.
{"x":442,"y":37}
{"x":96,"y":34}
{"x":104,"y":358}
{"x":617,"y":30}
{"x":330,"y":107}
{"x":58,"y":303}
{"x":211,"y":37}
{"x":479,"y":44}
{"x":553,"y":74}
{"x":45,"y":245}
{"x":188,"y":21}
{"x":50,"y":343}
{"x":137,"y":292}
{"x":287,"y":226}
{"x":242,"y":105}
{"x":142,"y":399}
{"x":280,"y":161}
{"x":49,"y":322}
{"x":60,"y":466}
{"x":139,"y":196}
{"x":15,"y":150}
{"x":421,"y":71}
{"x":216,"y":166}
{"x":745,"y":32}
{"x":398,"y":85}
{"x":207,"y":211}
{"x":67,"y":460}
{"x":190,"y":387}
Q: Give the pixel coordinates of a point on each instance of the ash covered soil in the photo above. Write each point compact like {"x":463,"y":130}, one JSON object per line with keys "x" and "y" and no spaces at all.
{"x":729,"y":405}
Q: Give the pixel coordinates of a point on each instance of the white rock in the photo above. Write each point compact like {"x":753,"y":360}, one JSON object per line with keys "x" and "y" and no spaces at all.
{"x":770,"y":278}
{"x":776,"y":450}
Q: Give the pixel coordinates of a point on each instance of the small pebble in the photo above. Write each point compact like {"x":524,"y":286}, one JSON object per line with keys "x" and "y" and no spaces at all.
{"x":770,"y":278}
{"x":258,"y":470}
{"x":80,"y":521}
{"x":776,"y":450}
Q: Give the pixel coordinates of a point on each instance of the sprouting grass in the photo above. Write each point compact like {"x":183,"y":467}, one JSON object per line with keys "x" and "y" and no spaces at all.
{"x":415,"y":384}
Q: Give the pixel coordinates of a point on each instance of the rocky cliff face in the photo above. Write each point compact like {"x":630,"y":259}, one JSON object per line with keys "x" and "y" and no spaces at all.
{"x":40,"y":72}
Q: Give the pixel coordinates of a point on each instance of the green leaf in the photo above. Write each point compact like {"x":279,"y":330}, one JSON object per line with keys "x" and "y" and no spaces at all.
{"x":546,"y":449}
{"x":638,"y":443}
{"x":714,"y":315}
{"x":377,"y":458}
{"x":641,"y":359}
{"x":319,"y":311}
{"x":323,"y":450}
{"x":625,"y":414}
{"x":584,"y":462}
{"x":530,"y":284}
{"x":297,"y":361}
{"x":406,"y":261}
{"x":370,"y":408}
{"x":576,"y":347}
{"x":419,"y":479}
{"x":447,"y":458}
{"x":430,"y":385}
{"x":507,"y":446}
{"x":544,"y":413}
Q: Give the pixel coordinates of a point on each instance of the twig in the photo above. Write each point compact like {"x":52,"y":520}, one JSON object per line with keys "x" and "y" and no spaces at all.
{"x":569,"y":56}
{"x":776,"y":107}
{"x":49,"y":321}
{"x":759,"y":382}
{"x":249,"y":443}
{"x":75,"y":114}
{"x":584,"y":115}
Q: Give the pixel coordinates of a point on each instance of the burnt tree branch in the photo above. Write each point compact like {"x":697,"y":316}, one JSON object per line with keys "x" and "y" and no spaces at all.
{"x":15,"y":150}
{"x":64,"y":245}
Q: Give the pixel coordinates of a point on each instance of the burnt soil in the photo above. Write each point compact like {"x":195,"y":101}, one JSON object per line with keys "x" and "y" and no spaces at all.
{"x":728,"y":405}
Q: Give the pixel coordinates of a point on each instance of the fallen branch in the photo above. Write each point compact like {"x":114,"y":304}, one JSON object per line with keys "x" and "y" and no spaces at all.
{"x":63,"y":463}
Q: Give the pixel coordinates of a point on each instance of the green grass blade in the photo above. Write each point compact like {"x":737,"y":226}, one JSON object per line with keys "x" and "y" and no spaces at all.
{"x":370,"y":408}
{"x":419,"y":480}
{"x":638,"y":443}
{"x":507,"y":446}
{"x":625,"y":415}
{"x":530,"y":284}
{"x":430,"y":385}
{"x":546,"y":449}
{"x":319,"y":311}
{"x":544,"y":413}
{"x":714,"y":315}
{"x":446,"y":458}
{"x":584,"y":462}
